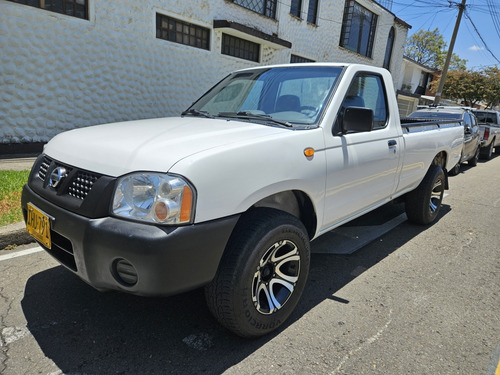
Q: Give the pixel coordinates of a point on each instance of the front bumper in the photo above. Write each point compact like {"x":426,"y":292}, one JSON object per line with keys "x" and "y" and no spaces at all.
{"x":114,"y":254}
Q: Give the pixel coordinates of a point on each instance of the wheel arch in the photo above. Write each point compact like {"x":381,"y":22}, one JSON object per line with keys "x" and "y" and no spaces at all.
{"x":441,"y":160}
{"x":294,"y":202}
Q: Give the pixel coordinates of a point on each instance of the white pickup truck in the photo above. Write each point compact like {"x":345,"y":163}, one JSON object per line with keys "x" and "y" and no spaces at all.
{"x":229,"y":195}
{"x":489,"y":127}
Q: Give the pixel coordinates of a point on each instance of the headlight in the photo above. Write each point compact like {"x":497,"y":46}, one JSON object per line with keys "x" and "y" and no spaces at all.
{"x":155,"y":198}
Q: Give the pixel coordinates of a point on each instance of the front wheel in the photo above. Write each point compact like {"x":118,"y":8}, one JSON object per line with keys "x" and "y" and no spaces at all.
{"x":423,"y":204}
{"x":262,"y":273}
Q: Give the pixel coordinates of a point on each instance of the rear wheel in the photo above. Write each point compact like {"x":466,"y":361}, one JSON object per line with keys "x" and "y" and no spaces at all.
{"x":487,"y":153}
{"x":423,"y":204}
{"x":262,"y":273}
{"x":473,"y":162}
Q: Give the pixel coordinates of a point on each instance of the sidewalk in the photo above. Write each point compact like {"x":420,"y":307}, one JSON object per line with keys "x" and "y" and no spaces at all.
{"x":17,"y":163}
{"x":15,"y":234}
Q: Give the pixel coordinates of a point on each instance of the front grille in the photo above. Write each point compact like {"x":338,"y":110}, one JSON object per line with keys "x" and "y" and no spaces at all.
{"x":42,"y":172}
{"x":82,"y":183}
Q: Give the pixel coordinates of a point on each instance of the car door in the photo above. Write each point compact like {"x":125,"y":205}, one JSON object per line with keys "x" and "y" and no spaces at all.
{"x":469,"y":145}
{"x":362,"y":167}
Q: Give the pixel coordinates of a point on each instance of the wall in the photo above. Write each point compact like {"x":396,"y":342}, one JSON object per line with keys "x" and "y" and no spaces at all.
{"x":59,"y":72}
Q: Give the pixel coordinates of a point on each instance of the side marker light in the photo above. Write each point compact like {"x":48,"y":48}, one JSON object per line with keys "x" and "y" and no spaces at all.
{"x":309,"y":152}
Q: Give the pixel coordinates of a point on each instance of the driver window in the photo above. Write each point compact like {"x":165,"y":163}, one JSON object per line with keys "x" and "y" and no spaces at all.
{"x":367,"y":90}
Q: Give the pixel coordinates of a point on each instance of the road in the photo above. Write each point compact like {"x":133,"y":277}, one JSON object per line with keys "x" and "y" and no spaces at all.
{"x":417,"y":300}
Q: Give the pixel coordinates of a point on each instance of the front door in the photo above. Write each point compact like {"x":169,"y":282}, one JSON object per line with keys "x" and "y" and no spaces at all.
{"x":362,"y":168}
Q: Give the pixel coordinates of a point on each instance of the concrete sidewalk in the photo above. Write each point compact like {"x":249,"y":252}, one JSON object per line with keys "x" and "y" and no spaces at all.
{"x":15,"y":234}
{"x":16,"y":163}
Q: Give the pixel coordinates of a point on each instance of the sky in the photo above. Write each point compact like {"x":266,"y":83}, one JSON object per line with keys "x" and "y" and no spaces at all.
{"x":479,"y":31}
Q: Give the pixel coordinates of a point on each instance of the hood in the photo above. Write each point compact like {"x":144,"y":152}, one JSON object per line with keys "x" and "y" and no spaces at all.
{"x":148,"y":145}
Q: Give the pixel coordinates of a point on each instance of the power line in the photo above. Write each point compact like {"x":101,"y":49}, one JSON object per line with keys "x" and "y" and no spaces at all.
{"x":480,"y":37}
{"x":494,"y":16}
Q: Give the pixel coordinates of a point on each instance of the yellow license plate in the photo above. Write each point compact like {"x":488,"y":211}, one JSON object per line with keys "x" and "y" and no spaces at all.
{"x":38,"y":225}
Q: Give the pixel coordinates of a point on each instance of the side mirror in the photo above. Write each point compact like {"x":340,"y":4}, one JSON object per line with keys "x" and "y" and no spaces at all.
{"x":357,"y":119}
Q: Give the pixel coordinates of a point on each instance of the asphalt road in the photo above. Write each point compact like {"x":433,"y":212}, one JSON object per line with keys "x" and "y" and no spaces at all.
{"x":417,"y":300}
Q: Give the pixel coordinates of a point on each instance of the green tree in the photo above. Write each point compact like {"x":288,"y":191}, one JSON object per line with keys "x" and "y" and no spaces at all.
{"x":492,"y":94}
{"x":469,"y":86}
{"x":429,"y":48}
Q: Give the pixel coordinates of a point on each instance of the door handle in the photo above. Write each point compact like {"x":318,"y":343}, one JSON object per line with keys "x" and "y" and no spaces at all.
{"x":392,"y":145}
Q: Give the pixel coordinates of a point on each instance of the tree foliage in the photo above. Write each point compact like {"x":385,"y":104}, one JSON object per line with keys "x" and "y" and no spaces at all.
{"x":429,"y":48}
{"x":473,"y":87}
{"x":492,"y":94}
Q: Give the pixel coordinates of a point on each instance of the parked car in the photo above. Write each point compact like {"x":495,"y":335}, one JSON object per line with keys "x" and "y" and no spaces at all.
{"x":229,"y":194}
{"x":489,"y":126}
{"x":472,"y":136}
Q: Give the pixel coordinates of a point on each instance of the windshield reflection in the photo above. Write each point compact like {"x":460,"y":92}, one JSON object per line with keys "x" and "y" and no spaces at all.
{"x":281,"y":95}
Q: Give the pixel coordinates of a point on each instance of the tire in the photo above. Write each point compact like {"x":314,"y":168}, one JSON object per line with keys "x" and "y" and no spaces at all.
{"x":456,"y":169}
{"x":423,"y":204}
{"x":487,"y":153}
{"x":262,"y":274}
{"x":473,"y":162}
{"x":497,"y":148}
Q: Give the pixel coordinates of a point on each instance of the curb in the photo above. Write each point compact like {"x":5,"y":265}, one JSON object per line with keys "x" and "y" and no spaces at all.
{"x":14,"y":234}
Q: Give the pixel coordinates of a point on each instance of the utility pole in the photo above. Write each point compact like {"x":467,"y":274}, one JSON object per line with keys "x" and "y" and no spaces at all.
{"x":439,"y":91}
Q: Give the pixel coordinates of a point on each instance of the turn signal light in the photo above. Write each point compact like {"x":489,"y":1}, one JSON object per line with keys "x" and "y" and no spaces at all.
{"x":309,"y":152}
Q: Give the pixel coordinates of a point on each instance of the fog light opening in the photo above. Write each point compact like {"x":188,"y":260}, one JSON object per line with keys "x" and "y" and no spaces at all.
{"x":124,"y":272}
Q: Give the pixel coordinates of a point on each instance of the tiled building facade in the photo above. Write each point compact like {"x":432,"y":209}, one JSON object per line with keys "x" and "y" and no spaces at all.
{"x":74,"y":63}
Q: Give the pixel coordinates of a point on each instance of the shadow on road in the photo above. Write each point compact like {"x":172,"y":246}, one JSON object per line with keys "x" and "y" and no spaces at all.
{"x":85,"y":331}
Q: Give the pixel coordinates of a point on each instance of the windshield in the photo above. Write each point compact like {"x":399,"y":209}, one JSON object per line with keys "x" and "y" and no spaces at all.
{"x":284,"y":95}
{"x":436,"y":115}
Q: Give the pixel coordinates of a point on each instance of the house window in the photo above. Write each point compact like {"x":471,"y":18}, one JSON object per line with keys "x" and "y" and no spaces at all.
{"x":296,"y":8}
{"x":312,"y":11}
{"x":265,"y":7}
{"x":241,"y":48}
{"x":298,"y":59}
{"x":358,"y":29}
{"x":74,"y":8}
{"x":388,"y":49}
{"x":181,"y":32}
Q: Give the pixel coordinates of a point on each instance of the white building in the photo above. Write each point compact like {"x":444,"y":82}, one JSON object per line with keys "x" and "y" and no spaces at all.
{"x":74,"y":63}
{"x":414,"y":86}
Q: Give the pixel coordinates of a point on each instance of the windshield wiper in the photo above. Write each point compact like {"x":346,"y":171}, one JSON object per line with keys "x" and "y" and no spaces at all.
{"x":195,"y":112}
{"x":250,"y":115}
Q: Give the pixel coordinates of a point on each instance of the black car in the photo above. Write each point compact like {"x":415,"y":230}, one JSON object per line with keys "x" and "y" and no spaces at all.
{"x":472,"y":135}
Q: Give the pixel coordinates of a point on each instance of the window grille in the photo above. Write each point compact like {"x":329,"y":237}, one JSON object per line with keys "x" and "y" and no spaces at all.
{"x":181,"y":32}
{"x":241,"y":48}
{"x":74,"y":8}
{"x":358,"y":29}
{"x":265,"y":7}
{"x":298,"y":59}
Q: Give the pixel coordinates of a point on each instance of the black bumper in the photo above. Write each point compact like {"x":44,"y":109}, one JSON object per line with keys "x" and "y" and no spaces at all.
{"x":113,"y":254}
